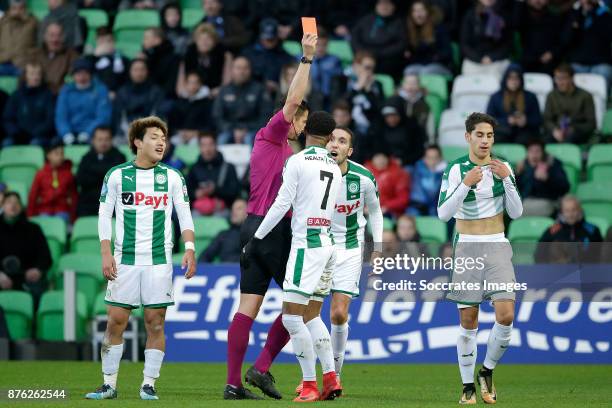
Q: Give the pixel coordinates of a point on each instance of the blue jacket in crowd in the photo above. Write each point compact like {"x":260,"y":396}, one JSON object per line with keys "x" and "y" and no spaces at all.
{"x":425,"y":189}
{"x":82,"y":110}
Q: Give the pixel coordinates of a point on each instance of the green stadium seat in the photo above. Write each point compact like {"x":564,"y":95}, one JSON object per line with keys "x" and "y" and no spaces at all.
{"x":596,"y":199}
{"x":99,"y":307}
{"x":292,"y":47}
{"x":206,"y":229}
{"x":528,"y":229}
{"x":74,"y":153}
{"x":188,"y":154}
{"x":571,"y":157}
{"x":341,"y":49}
{"x":88,"y":268}
{"x":18,"y":308}
{"x":32,"y":156}
{"x":192,"y":17}
{"x":388,"y":224}
{"x":20,"y":187}
{"x":436,"y":107}
{"x":50,"y":316}
{"x":84,"y":238}
{"x":606,"y":127}
{"x":128,"y":48}
{"x":512,"y":152}
{"x":127,"y":152}
{"x":95,"y":18}
{"x":600,"y":156}
{"x":450,"y":153}
{"x":435,"y":85}
{"x":18,"y":174}
{"x":190,"y":4}
{"x":9,"y":84}
{"x":54,"y":229}
{"x":602,"y":173}
{"x":601,"y":223}
{"x":387,"y":83}
{"x":431,"y":229}
{"x":131,"y":24}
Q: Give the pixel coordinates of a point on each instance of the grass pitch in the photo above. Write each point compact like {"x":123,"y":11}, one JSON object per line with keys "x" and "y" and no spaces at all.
{"x":366,"y":385}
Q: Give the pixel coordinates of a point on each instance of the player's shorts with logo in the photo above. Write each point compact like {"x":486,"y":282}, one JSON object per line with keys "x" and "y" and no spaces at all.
{"x":305,"y":268}
{"x":491,"y":263}
{"x":345,"y":276}
{"x":136,"y":285}
{"x":271,"y":258}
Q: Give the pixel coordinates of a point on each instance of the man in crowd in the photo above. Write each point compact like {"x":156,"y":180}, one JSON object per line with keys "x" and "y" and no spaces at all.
{"x":225,"y":247}
{"x":17,"y":37}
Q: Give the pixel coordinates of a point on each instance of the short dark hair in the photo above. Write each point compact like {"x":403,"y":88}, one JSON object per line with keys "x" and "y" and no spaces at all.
{"x":207,"y":133}
{"x":565,"y":68}
{"x":157,"y":32}
{"x":476,"y":118}
{"x":102,"y":128}
{"x":320,"y":124}
{"x":434,"y":147}
{"x":104,"y":31}
{"x":349,"y":131}
{"x":322,"y":32}
{"x":342,"y":104}
{"x":139,"y":127}
{"x":15,"y":194}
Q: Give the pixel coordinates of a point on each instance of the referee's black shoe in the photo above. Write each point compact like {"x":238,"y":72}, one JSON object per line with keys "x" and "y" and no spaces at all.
{"x":263,"y":381}
{"x":239,"y":393}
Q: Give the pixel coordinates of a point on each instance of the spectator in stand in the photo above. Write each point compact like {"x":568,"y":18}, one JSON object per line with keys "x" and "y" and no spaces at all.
{"x":287,"y":73}
{"x":171,"y":18}
{"x":569,"y":115}
{"x":241,"y":107}
{"x":188,"y":133}
{"x":110,"y":6}
{"x":516,"y":110}
{"x":110,"y":66}
{"x":588,"y":38}
{"x":401,"y":134}
{"x":24,"y":253}
{"x":541,"y":181}
{"x":486,"y":39}
{"x":212,"y":182}
{"x":208,"y":58}
{"x":194,"y":105}
{"x":66,"y":14}
{"x":171,"y":159}
{"x":415,"y":105}
{"x":539,"y":27}
{"x":53,"y":192}
{"x":229,"y":28}
{"x":225,"y":247}
{"x":82,"y":106}
{"x":28,"y":115}
{"x":363,"y":91}
{"x":382,"y":34}
{"x":408,"y":236}
{"x":161,"y":60}
{"x":325,"y":68}
{"x":429,"y":48}
{"x":393,"y":182}
{"x":567,"y":241}
{"x":54,"y":56}
{"x":17,"y":37}
{"x":341,"y":111}
{"x":93,"y":167}
{"x":267,"y":55}
{"x":426,"y":181}
{"x":138,"y":98}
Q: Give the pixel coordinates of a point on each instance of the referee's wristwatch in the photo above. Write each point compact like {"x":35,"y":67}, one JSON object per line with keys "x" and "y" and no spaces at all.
{"x":305,"y":60}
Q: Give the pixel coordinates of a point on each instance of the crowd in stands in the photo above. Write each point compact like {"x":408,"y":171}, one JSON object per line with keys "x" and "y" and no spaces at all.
{"x":218,"y":80}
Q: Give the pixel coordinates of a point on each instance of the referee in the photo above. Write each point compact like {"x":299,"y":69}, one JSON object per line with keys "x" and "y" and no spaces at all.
{"x":271,"y":149}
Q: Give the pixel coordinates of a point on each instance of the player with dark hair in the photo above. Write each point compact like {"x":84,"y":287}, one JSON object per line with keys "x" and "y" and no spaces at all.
{"x":311,"y":180}
{"x":142,"y":193}
{"x":476,"y":188}
{"x":273,"y":146}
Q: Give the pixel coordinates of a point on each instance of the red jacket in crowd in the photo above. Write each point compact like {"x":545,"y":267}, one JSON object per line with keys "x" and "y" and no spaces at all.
{"x":53,"y":191}
{"x":393,"y":187}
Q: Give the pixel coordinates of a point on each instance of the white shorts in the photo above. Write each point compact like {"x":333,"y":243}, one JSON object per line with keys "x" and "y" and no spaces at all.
{"x":345,"y":276}
{"x":146,"y":285}
{"x":304,"y":270}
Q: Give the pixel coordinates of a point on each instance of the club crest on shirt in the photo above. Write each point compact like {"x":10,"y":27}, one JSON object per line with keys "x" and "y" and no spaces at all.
{"x":160,"y":178}
{"x":353,"y":187}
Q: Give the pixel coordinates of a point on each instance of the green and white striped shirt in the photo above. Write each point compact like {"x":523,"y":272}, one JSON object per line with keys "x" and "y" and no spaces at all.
{"x":487,"y":198}
{"x":357,"y":189}
{"x":143,"y":201}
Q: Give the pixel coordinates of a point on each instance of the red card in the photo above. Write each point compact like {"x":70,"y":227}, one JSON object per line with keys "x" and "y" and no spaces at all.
{"x":309,"y":25}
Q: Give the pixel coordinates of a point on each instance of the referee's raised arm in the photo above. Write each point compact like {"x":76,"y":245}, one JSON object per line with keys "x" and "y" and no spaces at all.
{"x":299,"y":84}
